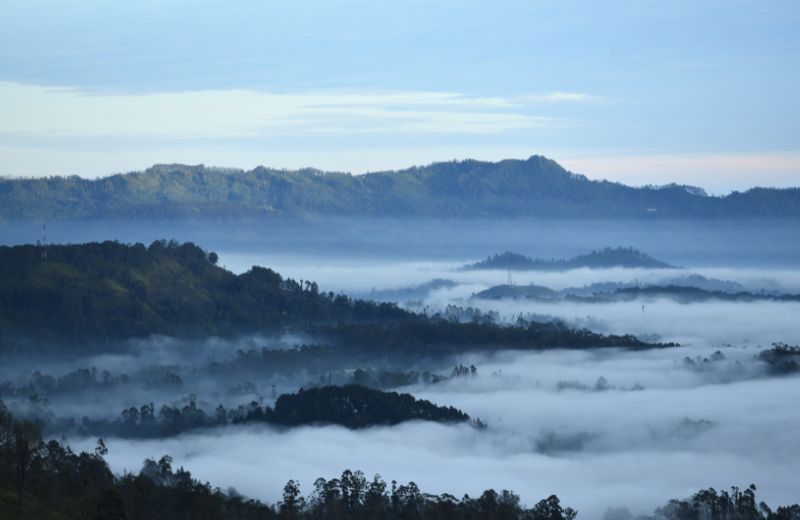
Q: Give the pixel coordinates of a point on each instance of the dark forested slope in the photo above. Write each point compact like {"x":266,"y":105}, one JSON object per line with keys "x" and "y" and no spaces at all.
{"x":536,"y":187}
{"x":112,"y":291}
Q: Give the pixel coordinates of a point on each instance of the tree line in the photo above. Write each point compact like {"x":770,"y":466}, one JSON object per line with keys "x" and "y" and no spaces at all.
{"x":351,"y":406}
{"x":46,"y":480}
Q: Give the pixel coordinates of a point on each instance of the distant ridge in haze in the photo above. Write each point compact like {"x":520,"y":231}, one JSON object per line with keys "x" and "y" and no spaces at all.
{"x":536,"y":187}
{"x":604,"y":258}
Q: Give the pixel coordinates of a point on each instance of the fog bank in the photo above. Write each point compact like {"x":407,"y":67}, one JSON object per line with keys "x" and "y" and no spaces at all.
{"x":659,"y":428}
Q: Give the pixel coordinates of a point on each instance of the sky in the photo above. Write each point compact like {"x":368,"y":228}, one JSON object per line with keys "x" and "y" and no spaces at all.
{"x":643,"y":92}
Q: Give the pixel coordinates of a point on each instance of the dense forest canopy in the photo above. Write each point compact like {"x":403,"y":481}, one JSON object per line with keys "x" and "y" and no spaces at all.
{"x":106,"y":291}
{"x":115,"y":290}
{"x":536,"y":187}
{"x":356,"y":406}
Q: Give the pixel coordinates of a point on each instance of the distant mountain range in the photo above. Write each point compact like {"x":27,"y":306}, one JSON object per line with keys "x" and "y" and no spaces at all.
{"x":693,"y":287}
{"x":609,"y":257}
{"x":676,"y":293}
{"x":691,"y":281}
{"x":681,"y":294}
{"x":536,"y":187}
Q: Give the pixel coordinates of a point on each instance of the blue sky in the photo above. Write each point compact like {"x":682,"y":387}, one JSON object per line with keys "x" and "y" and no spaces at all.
{"x":639,"y":91}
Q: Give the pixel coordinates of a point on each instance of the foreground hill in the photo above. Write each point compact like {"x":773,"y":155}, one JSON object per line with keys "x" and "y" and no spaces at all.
{"x":351,"y":406}
{"x":107,"y":290}
{"x":110,"y":291}
{"x":536,"y":187}
{"x":605,"y":258}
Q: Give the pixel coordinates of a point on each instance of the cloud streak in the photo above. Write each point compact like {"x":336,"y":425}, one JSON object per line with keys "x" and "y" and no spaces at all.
{"x":237,"y":113}
{"x":559,"y":97}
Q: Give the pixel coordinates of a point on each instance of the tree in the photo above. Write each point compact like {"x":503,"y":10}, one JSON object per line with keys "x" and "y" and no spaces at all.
{"x":550,"y":509}
{"x":28,"y":448}
{"x":293,"y":502}
{"x":101,"y":451}
{"x":111,"y":506}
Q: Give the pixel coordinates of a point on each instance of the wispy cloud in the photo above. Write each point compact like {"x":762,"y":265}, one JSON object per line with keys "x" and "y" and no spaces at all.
{"x":65,"y":112}
{"x":558,"y":97}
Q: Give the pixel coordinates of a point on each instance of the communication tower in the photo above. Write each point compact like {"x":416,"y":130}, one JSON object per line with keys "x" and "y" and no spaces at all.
{"x":44,"y":242}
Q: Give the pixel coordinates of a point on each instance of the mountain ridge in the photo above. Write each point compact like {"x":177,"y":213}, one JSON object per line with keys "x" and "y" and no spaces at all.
{"x":626,"y":257}
{"x":537,"y":187}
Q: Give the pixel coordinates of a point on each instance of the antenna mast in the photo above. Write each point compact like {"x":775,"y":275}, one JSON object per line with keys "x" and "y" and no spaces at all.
{"x":44,"y":241}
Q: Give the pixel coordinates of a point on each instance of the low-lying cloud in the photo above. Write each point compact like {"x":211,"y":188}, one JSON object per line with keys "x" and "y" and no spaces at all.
{"x":594,"y":449}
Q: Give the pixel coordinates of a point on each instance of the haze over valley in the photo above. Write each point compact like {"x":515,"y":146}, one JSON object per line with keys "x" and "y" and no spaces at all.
{"x":440,"y":260}
{"x":536,"y":418}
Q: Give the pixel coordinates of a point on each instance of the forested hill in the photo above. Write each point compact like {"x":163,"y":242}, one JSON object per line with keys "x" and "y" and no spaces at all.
{"x":112,"y":291}
{"x":536,"y":187}
{"x":626,"y":257}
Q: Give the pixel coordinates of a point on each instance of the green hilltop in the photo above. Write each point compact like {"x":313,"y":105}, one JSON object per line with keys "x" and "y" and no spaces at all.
{"x":536,"y":187}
